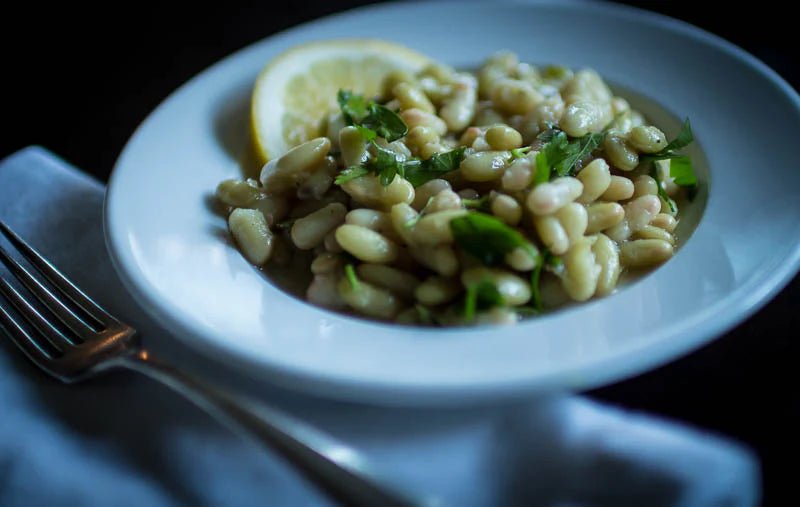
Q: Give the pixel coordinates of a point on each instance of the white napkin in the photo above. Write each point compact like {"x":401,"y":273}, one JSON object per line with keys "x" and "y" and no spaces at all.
{"x":122,"y":440}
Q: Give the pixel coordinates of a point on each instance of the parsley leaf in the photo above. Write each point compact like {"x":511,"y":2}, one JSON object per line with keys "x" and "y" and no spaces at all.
{"x":520,"y":152}
{"x":481,"y":296}
{"x":683,"y":139}
{"x":354,"y":107}
{"x":385,"y":122}
{"x":372,"y":116}
{"x":559,"y":155}
{"x":350,"y":274}
{"x":418,"y":172}
{"x":386,"y":164}
{"x":550,"y":154}
{"x":351,"y":173}
{"x":488,"y":238}
{"x":576,"y":151}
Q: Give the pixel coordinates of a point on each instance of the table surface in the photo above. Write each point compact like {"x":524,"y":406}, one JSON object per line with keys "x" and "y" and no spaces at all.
{"x":79,"y":85}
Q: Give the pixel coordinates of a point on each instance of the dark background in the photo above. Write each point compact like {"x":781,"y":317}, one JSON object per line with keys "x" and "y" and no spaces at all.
{"x":79,"y":82}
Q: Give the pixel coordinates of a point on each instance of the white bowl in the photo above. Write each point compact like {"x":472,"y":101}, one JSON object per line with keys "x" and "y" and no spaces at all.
{"x":171,"y":249}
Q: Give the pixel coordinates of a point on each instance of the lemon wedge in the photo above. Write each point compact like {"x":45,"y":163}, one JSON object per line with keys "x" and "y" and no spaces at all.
{"x":297,"y":89}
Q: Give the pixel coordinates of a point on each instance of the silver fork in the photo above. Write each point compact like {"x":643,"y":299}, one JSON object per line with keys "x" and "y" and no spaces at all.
{"x":90,"y":341}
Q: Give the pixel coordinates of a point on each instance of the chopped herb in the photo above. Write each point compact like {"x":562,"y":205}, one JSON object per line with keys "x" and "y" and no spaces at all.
{"x":576,"y":151}
{"x":480,"y":204}
{"x":684,"y":138}
{"x":367,"y":134}
{"x":481,"y":296}
{"x":386,"y":164}
{"x":351,"y":173}
{"x":371,"y":116}
{"x":551,"y":154}
{"x":680,"y":166}
{"x":520,"y":152}
{"x":418,"y":172}
{"x":559,"y":156}
{"x":354,"y":107}
{"x":350,"y":274}
{"x":385,"y":122}
{"x":680,"y":169}
{"x":488,"y":238}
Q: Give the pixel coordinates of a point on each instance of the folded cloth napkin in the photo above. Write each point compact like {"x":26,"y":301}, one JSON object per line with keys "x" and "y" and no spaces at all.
{"x":123,"y":440}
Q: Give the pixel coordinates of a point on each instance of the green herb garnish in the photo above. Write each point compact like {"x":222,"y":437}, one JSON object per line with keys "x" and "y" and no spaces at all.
{"x":351,"y":173}
{"x":370,"y":115}
{"x":520,"y":152}
{"x":481,"y":296}
{"x":350,"y":274}
{"x":488,"y":238}
{"x":680,"y":166}
{"x":561,"y":156}
{"x":418,"y":172}
{"x":479,"y":204}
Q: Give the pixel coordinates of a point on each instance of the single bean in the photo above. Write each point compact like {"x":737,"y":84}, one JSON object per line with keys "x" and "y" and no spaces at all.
{"x":249,"y":228}
{"x":602,"y":215}
{"x":310,"y":231}
{"x":645,"y":252}
{"x":437,"y":290}
{"x":366,"y":244}
{"x":596,"y":178}
{"x":547,"y":198}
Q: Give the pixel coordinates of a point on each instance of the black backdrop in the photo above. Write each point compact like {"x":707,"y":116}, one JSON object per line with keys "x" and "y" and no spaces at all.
{"x":79,"y":81}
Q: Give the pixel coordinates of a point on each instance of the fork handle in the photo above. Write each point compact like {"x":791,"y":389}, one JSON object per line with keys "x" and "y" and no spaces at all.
{"x":331,"y":466}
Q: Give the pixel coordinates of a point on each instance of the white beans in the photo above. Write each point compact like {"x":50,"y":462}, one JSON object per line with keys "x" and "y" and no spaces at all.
{"x":323,"y":292}
{"x":514,"y":290}
{"x":310,"y":231}
{"x":574,"y":219}
{"x":389,"y":252}
{"x":434,"y":229}
{"x":602,"y":215}
{"x":645,"y":252}
{"x":484,"y":166}
{"x":619,"y":189}
{"x":581,"y":271}
{"x":581,"y":118}
{"x":606,"y":254}
{"x":507,"y":209}
{"x":366,"y":244}
{"x":437,"y":290}
{"x":647,"y":139}
{"x":285,"y":173}
{"x":552,"y":233}
{"x":387,"y":277}
{"x":547,"y":198}
{"x":596,"y":177}
{"x":249,"y":229}
{"x":369,"y":300}
{"x":458,"y":110}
